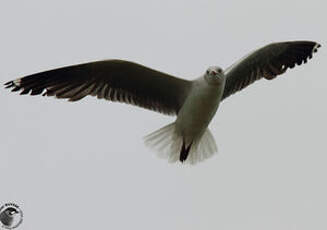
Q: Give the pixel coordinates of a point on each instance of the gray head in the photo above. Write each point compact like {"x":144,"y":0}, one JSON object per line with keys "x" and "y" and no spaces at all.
{"x":214,"y":75}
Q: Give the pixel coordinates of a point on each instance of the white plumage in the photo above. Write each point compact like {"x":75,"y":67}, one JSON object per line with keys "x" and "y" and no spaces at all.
{"x":190,"y":128}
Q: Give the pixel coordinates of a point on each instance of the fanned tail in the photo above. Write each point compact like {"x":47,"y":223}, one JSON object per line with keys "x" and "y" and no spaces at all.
{"x":171,"y":146}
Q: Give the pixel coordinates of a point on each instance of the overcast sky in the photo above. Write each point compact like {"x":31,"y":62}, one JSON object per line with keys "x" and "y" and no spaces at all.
{"x":84,"y":165}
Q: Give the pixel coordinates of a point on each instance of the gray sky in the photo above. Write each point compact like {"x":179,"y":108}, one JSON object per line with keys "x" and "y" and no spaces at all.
{"x":84,"y":166}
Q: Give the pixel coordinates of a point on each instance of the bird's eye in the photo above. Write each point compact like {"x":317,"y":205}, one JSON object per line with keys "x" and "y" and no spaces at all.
{"x":219,"y":70}
{"x":207,"y":72}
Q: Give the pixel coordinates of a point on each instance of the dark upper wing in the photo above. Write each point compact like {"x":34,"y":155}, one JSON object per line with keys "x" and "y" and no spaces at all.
{"x":114,"y":80}
{"x":267,"y":62}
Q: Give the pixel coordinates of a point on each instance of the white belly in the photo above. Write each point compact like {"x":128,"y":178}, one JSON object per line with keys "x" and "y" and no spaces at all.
{"x":198,"y":110}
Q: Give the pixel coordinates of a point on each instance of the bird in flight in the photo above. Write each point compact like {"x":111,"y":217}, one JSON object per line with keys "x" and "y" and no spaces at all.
{"x":188,"y":139}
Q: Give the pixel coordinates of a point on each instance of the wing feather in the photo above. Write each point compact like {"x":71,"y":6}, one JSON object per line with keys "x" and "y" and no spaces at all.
{"x":114,"y":80}
{"x":267,"y":62}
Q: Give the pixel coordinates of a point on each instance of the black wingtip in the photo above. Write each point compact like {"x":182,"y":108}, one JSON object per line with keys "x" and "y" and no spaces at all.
{"x":16,"y":88}
{"x":8,"y":86}
{"x":316,"y":47}
{"x":302,"y":51}
{"x":8,"y":83}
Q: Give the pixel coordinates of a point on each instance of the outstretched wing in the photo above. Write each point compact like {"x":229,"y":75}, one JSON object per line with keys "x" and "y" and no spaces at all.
{"x":268,"y":62}
{"x":114,"y":80}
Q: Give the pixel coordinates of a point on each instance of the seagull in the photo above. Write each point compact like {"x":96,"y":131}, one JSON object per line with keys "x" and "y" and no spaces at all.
{"x":188,"y":139}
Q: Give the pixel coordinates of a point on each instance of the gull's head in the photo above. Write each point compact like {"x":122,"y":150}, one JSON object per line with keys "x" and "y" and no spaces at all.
{"x":214,"y":75}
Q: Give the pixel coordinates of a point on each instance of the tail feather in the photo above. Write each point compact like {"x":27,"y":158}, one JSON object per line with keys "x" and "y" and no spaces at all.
{"x":184,"y":151}
{"x":172,"y":146}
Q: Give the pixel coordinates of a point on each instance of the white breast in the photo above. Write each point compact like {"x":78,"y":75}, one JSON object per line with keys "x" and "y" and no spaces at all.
{"x":198,"y":109}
